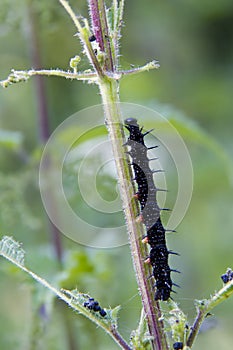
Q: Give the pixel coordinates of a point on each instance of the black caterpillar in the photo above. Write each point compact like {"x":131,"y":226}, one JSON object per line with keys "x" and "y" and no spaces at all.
{"x":150,"y":211}
{"x":93,"y":305}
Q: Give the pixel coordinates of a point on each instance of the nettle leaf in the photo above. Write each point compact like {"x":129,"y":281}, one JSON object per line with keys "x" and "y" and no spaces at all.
{"x":13,"y":251}
{"x":178,"y":323}
{"x":10,"y":139}
{"x":141,"y":338}
{"x":77,"y":298}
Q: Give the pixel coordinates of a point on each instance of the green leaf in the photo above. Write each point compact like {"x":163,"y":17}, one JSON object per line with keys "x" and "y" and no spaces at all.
{"x":141,"y":338}
{"x":12,"y":251}
{"x":178,"y":323}
{"x":77,"y":298}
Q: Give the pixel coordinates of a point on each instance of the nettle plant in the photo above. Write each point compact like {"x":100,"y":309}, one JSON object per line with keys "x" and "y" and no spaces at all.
{"x":156,"y":329}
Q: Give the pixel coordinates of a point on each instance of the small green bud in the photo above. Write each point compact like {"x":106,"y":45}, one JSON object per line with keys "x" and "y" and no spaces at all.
{"x":74,"y":61}
{"x":101,"y":57}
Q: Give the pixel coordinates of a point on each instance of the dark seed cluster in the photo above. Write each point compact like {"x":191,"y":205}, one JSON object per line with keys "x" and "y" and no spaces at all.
{"x":228,"y":276}
{"x":150,"y":211}
{"x":93,"y":305}
{"x":178,"y":345}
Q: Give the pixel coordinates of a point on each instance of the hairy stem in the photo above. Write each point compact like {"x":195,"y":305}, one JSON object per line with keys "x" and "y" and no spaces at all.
{"x":105,"y":32}
{"x":100,"y":28}
{"x":17,"y":76}
{"x":83,"y":35}
{"x":96,"y":23}
{"x":110,"y":98}
{"x":196,"y":327}
{"x":205,"y":306}
{"x":117,"y":337}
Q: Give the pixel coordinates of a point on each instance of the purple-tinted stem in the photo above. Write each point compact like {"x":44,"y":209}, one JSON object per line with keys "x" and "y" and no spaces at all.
{"x":96,"y":23}
{"x":105,"y":31}
{"x":110,"y":98}
{"x":42,"y":112}
{"x":120,"y":340}
{"x":101,"y":32}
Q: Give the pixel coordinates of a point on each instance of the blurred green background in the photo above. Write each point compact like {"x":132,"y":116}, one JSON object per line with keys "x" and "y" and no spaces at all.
{"x":194,"y":88}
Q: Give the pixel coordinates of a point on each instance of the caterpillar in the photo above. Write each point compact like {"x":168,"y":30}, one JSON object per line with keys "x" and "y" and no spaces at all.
{"x":150,"y":211}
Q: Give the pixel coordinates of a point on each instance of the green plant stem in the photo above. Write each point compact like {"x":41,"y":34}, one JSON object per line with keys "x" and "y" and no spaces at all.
{"x":20,"y":75}
{"x":118,"y":20}
{"x":110,"y":98}
{"x":62,"y":74}
{"x":151,"y":65}
{"x":84,"y":36}
{"x":71,"y":13}
{"x":205,"y":306}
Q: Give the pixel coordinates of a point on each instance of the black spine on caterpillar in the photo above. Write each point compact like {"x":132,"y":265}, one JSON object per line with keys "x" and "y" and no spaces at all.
{"x":150,"y":211}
